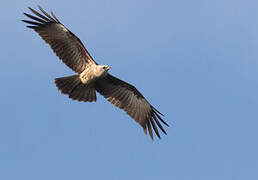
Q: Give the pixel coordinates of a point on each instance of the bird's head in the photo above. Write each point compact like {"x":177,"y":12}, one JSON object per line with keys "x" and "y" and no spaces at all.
{"x":105,"y":68}
{"x":101,"y":70}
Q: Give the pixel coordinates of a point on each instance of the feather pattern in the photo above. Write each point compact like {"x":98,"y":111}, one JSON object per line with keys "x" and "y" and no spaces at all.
{"x":128,"y":98}
{"x":63,"y":42}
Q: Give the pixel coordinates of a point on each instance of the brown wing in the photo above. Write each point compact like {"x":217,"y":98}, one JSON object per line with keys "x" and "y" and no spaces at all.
{"x":63,"y":42}
{"x":128,"y":98}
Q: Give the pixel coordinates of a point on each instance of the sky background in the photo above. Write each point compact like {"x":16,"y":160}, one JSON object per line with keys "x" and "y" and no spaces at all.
{"x":195,"y":61}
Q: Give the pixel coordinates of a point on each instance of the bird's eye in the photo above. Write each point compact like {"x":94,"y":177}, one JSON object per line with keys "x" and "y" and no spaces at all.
{"x":104,"y":67}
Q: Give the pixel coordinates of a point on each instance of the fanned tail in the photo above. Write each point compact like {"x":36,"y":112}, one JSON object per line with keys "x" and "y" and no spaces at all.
{"x":75,"y":89}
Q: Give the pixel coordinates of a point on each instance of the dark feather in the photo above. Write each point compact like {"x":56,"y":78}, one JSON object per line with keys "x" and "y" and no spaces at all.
{"x":150,"y":130}
{"x":32,"y":22}
{"x":63,"y":42}
{"x":46,"y":14}
{"x":35,"y":18}
{"x":155,"y":127}
{"x":128,"y":98}
{"x":39,"y":15}
{"x":159,"y":117}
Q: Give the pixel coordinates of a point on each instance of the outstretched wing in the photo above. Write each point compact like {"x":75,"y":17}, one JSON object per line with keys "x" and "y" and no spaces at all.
{"x":128,"y":98}
{"x":63,"y":42}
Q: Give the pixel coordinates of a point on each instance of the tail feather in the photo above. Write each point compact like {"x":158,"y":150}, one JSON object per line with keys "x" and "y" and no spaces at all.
{"x":75,"y":89}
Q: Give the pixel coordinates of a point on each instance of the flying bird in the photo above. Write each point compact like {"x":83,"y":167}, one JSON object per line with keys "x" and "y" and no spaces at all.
{"x":91,"y":77}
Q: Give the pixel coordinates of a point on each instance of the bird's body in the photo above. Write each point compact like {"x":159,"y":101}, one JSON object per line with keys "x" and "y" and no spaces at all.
{"x":90,"y":76}
{"x":93,"y":72}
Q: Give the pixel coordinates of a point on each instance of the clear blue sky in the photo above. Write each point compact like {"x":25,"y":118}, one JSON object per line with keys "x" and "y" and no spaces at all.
{"x":197,"y":62}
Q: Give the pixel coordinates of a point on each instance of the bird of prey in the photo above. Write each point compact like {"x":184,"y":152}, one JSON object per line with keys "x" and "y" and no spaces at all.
{"x":90,"y":76}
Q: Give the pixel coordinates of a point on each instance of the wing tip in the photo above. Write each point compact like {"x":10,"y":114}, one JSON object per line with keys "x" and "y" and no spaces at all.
{"x":156,"y":113}
{"x":154,"y":121}
{"x":47,"y":16}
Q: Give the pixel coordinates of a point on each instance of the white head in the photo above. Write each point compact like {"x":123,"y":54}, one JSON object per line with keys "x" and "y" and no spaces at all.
{"x":105,"y":67}
{"x":102,"y":70}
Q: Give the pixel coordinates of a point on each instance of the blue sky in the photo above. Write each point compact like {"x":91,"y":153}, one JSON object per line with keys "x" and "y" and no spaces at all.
{"x":197,"y":62}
